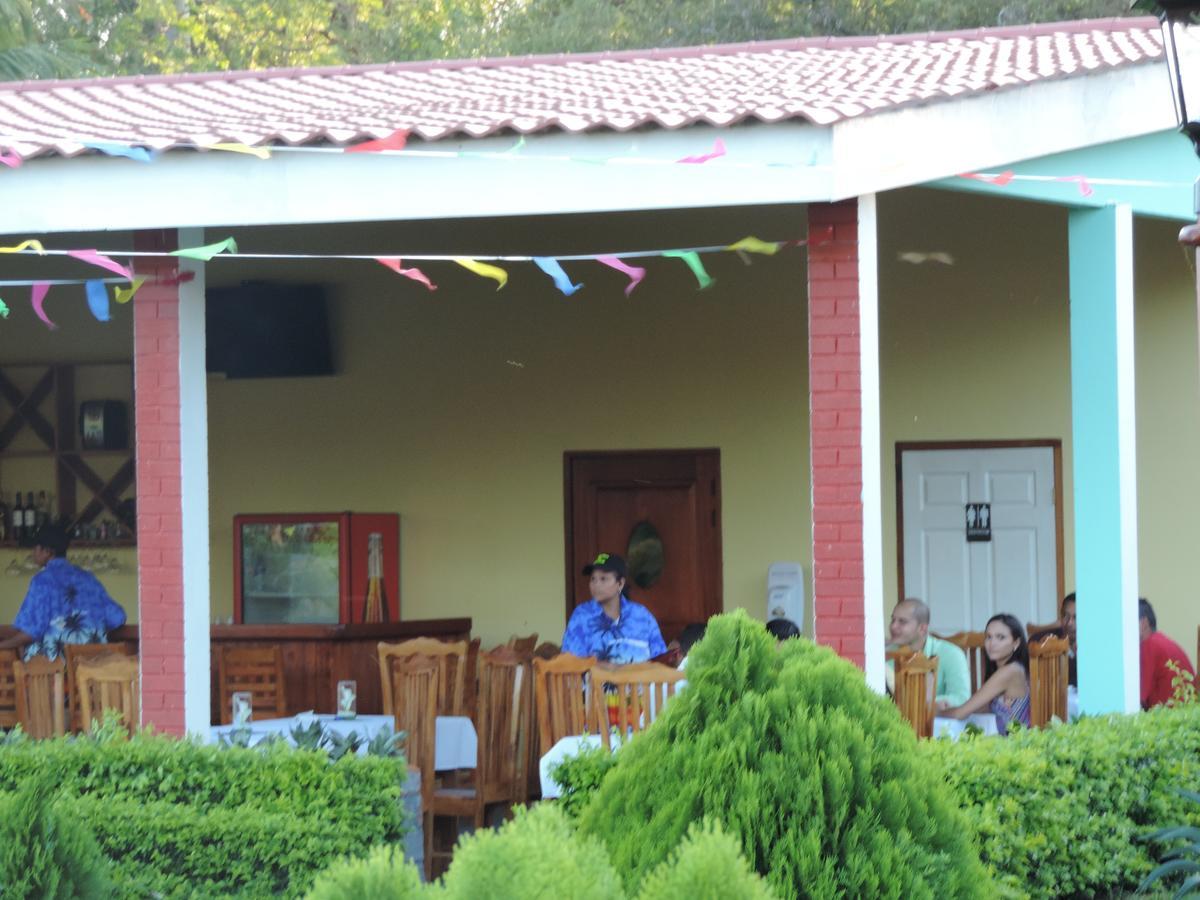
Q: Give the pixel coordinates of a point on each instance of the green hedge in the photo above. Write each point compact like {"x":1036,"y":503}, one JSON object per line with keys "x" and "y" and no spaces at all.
{"x":179,"y":819}
{"x":1062,"y":812}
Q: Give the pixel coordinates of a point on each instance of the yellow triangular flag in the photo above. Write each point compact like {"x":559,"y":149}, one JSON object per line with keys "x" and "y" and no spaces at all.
{"x":485,"y":270}
{"x":124,"y":295}
{"x":260,"y":152}
{"x":754,"y":245}
{"x":25,"y":245}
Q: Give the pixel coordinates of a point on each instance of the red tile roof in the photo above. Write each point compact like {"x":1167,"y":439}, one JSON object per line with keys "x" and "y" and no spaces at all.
{"x":820,"y":80}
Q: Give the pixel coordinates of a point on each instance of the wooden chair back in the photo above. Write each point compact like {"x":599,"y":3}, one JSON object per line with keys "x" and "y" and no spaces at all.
{"x":258,"y":670}
{"x":523,"y":645}
{"x":971,"y":643}
{"x":916,"y":689}
{"x":559,"y":689}
{"x":415,"y":680}
{"x":505,"y":707}
{"x":8,"y":689}
{"x":451,"y":658}
{"x":42,"y":696}
{"x":1032,"y":631}
{"x":108,"y":682}
{"x":77,"y":652}
{"x":471,"y":680}
{"x":1048,"y":668}
{"x":640,"y":692}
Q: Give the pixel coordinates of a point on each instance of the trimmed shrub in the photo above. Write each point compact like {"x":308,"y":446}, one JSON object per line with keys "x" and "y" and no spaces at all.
{"x":708,"y":865}
{"x":579,"y":777}
{"x":45,"y":852}
{"x":1063,"y":812}
{"x":819,"y":778}
{"x":383,"y":875}
{"x":179,"y":819}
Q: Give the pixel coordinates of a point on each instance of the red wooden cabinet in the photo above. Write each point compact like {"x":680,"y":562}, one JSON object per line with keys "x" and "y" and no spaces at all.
{"x":328,"y":568}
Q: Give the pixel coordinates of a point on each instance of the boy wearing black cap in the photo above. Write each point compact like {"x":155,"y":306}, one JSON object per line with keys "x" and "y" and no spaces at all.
{"x":610,"y":626}
{"x":64,"y":604}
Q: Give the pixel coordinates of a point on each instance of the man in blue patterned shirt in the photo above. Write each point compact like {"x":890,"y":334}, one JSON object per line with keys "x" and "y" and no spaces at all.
{"x":610,"y":626}
{"x":64,"y":605}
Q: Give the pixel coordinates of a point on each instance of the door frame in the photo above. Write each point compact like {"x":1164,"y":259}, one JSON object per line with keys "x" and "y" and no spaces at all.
{"x":570,"y":456}
{"x":1055,"y":445}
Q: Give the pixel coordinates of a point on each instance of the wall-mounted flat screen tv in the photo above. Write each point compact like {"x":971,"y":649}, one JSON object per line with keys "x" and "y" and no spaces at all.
{"x":262,"y":330}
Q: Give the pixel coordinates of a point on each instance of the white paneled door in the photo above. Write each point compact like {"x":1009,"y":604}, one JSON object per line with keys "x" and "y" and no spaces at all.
{"x":980,"y":534}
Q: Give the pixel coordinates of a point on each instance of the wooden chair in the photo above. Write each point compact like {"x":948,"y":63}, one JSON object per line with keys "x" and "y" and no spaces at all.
{"x":77,"y":652}
{"x":916,"y":689}
{"x":642,"y":690}
{"x":42,"y":696}
{"x":258,"y":670}
{"x":452,"y":671}
{"x":559,"y":686}
{"x":1048,"y":667}
{"x":414,"y":686}
{"x":8,"y":689}
{"x":108,"y":682}
{"x":471,"y":680}
{"x":1032,"y":632}
{"x":523,"y":645}
{"x":971,"y":643}
{"x":505,"y":679}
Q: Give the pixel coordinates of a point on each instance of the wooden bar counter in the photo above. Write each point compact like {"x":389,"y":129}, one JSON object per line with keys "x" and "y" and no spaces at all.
{"x":317,"y":657}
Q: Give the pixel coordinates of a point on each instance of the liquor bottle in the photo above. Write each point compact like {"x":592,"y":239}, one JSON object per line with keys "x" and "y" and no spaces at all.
{"x":31,"y":526}
{"x":18,"y":520}
{"x":43,"y":509}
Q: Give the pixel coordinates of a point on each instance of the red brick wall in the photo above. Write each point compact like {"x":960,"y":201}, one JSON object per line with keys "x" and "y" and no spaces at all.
{"x":835,"y":407}
{"x":159,"y":487}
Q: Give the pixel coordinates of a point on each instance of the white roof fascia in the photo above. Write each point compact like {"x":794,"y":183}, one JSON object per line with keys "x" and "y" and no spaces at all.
{"x":549,"y":174}
{"x":917,"y":144}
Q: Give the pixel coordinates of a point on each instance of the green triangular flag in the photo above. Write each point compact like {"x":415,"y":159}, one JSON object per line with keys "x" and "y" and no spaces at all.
{"x":208,"y":252}
{"x":692,"y":258}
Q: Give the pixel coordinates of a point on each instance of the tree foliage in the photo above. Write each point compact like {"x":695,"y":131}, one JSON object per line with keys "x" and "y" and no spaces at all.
{"x":55,"y":38}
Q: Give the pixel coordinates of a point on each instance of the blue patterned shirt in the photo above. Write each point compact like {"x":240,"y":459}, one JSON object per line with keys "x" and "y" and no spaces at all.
{"x":66,"y":605}
{"x":633,"y":637}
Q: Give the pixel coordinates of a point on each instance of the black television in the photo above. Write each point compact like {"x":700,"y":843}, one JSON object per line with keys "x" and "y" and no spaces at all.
{"x":262,"y":330}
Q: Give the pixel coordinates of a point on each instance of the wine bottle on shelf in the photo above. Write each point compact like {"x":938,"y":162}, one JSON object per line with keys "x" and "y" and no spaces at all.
{"x":31,"y":526}
{"x":3,"y":519}
{"x":18,"y":520}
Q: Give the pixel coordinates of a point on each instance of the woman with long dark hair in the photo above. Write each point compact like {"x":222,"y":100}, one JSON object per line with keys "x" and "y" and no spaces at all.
{"x":1005,"y":690}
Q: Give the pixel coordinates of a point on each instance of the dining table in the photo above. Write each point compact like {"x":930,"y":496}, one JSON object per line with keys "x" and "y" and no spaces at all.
{"x":455,"y":740}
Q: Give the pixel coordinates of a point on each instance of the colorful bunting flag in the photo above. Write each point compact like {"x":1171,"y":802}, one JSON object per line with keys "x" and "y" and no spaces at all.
{"x":754,"y":245}
{"x":35,"y":246}
{"x":97,"y":300}
{"x":692,"y":258}
{"x":260,"y":152}
{"x":12,"y":160}
{"x":104,"y":262}
{"x":208,"y":251}
{"x":717,"y":150}
{"x":394,"y":141}
{"x":396,"y":265}
{"x":999,"y":180}
{"x":124,"y":295}
{"x":635,"y":273}
{"x":552,"y":268}
{"x":3,"y":310}
{"x":37,"y":296}
{"x":1085,"y":189}
{"x":474,"y":265}
{"x":138,"y":154}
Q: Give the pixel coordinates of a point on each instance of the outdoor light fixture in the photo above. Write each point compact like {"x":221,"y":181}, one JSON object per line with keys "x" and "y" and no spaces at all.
{"x":1180,"y":23}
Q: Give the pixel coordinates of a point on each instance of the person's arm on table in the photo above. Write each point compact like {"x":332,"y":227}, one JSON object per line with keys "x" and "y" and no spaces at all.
{"x":992,"y":688}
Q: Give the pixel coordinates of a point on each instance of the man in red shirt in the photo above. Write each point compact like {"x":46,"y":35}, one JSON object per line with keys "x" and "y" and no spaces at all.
{"x":1156,"y":651}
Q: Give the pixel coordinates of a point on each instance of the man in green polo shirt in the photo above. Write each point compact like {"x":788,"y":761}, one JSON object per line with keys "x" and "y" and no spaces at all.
{"x":910,"y":630}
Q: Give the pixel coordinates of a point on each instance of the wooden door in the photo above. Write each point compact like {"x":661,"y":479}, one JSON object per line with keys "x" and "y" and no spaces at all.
{"x":661,"y":510}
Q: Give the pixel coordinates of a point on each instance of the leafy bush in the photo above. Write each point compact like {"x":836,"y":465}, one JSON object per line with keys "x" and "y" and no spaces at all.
{"x":45,"y":852}
{"x":1062,"y":812}
{"x":1180,"y":859}
{"x":818,"y":777}
{"x":579,"y":778}
{"x":383,"y":875}
{"x":708,"y":865}
{"x":179,"y":819}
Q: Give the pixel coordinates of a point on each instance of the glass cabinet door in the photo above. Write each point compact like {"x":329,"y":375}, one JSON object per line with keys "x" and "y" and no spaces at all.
{"x":290,"y":572}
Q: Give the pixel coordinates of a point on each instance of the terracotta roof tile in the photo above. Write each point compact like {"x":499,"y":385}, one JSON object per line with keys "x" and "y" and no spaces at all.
{"x":821,"y":80}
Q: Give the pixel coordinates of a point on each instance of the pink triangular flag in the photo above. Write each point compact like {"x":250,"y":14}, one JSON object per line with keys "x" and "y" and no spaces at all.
{"x":397,"y":265}
{"x":635,"y":273}
{"x":97,"y":259}
{"x":37,"y":297}
{"x":394,"y":141}
{"x":717,"y":150}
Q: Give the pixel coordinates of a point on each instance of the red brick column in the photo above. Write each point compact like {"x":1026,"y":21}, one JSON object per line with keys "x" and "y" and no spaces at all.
{"x":835,"y":425}
{"x":159,"y":487}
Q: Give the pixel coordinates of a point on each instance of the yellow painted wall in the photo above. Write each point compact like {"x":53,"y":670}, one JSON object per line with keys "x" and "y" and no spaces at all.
{"x":980,"y":350}
{"x":431,"y":419}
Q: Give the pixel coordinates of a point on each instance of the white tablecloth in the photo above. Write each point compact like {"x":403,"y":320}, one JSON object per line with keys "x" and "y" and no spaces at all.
{"x":455,"y":740}
{"x":953,"y":728}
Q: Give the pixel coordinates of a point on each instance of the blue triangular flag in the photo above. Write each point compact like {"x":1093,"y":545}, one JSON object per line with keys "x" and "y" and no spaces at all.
{"x":555,"y":271}
{"x":97,"y":297}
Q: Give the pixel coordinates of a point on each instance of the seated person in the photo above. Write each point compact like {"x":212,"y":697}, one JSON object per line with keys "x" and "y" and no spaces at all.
{"x":1005,"y":691}
{"x":1156,"y":651}
{"x":782,"y":629}
{"x":1065,"y":628}
{"x":64,"y":604}
{"x":910,"y":632}
{"x":610,"y":626}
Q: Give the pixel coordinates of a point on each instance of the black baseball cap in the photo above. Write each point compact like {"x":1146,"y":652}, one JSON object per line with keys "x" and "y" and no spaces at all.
{"x":606,"y":562}
{"x":52,"y":537}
